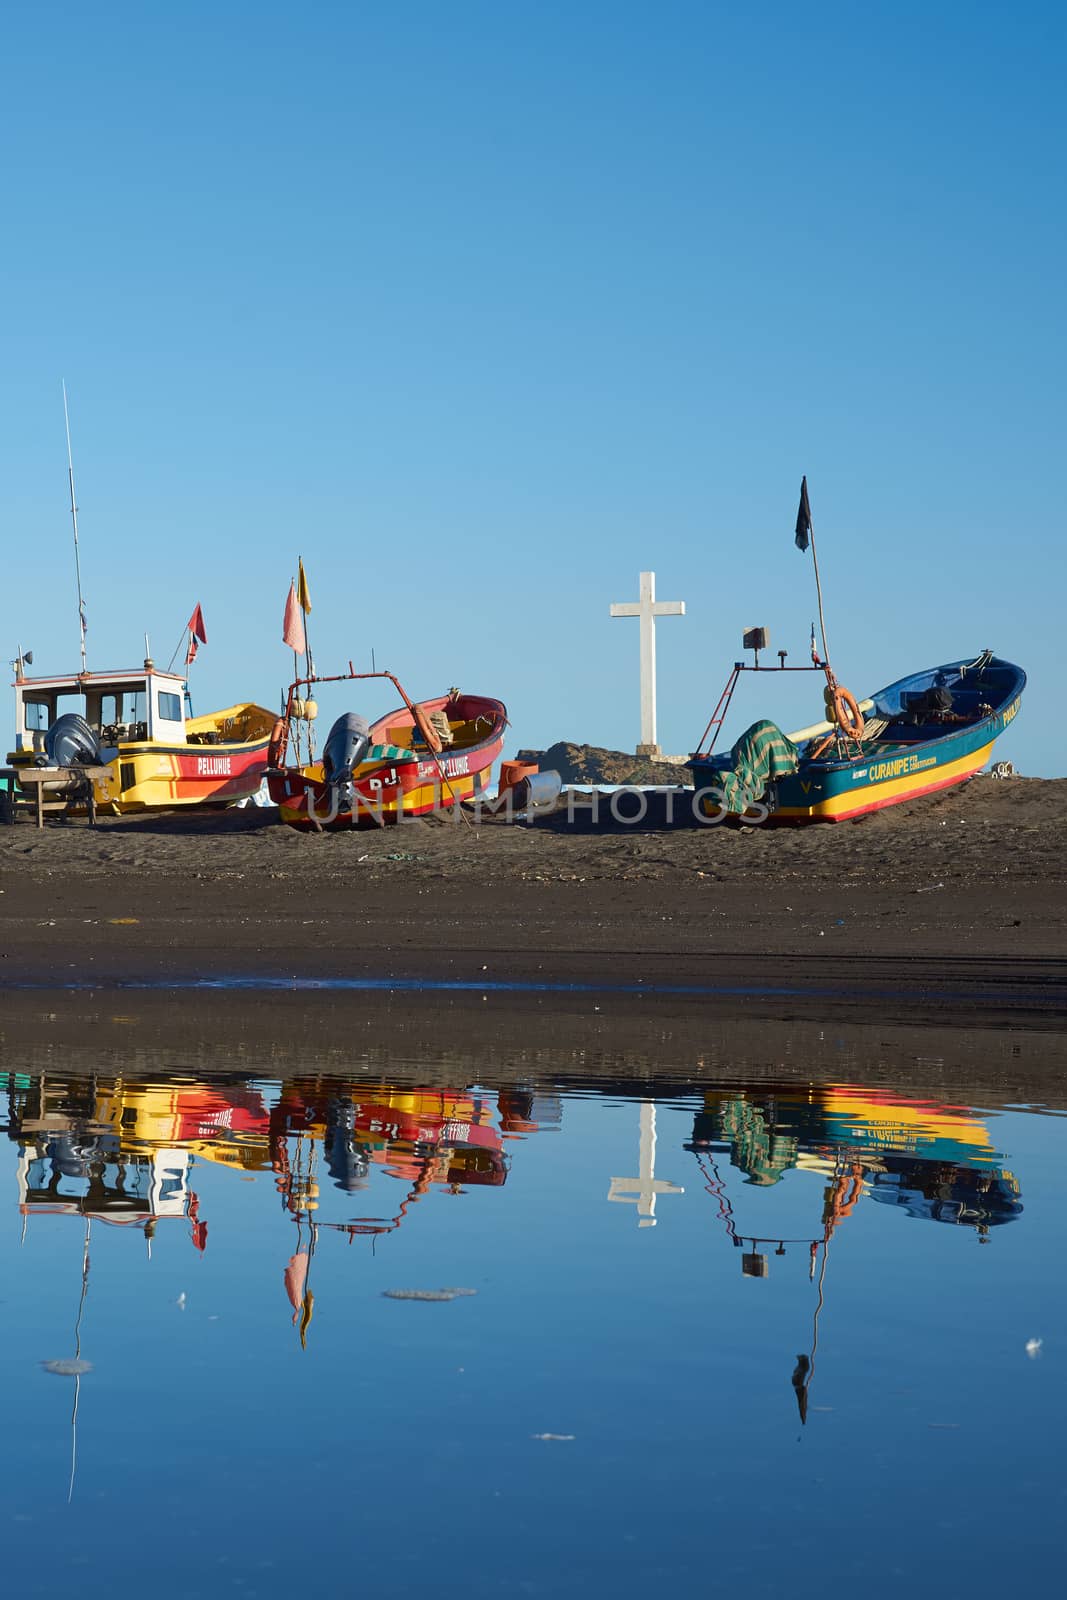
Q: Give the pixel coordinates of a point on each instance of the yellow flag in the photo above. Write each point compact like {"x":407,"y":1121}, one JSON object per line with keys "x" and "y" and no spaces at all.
{"x":307,"y":1311}
{"x":302,"y":593}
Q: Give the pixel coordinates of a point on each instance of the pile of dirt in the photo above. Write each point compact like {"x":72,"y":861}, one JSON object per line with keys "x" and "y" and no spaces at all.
{"x":588,"y":763}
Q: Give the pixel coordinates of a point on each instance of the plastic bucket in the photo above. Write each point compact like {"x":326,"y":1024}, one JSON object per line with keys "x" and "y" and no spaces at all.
{"x":513,"y":772}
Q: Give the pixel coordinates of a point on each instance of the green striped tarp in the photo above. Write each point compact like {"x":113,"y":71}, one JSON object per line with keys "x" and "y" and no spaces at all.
{"x":388,"y":752}
{"x":762,"y":754}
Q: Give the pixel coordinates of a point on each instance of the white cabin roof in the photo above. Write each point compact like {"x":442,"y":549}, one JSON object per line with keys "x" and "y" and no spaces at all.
{"x":94,"y":680}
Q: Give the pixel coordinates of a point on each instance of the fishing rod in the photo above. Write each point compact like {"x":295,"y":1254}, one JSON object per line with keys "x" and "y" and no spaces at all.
{"x":74,"y":519}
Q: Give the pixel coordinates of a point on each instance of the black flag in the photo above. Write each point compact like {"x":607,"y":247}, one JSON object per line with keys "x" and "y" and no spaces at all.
{"x":803,"y":517}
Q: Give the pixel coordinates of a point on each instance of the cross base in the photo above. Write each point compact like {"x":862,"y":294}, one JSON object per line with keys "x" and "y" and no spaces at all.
{"x":651,"y":751}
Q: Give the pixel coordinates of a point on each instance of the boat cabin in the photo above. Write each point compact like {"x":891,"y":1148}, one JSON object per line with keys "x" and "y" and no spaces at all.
{"x":121,"y":707}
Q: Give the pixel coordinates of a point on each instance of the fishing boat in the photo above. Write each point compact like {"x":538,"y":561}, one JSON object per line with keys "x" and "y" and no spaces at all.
{"x":133,"y":737}
{"x":925,"y":732}
{"x":119,"y":742}
{"x":426,"y":756}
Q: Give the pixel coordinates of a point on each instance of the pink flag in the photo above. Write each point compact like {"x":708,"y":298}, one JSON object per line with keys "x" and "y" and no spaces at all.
{"x":296,"y":1274}
{"x":293,"y":627}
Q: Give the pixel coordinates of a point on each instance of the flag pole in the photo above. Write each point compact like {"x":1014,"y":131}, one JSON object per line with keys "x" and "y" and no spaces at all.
{"x":304,"y":601}
{"x":818,"y":591}
{"x":305,"y":605}
{"x":806,"y":536}
{"x":296,"y":731}
{"x":177,"y":647}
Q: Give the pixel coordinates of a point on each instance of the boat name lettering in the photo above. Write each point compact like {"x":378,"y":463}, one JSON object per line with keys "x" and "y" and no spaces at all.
{"x":1011,"y":712}
{"x":214,"y":766}
{"x":879,"y":771}
{"x":451,"y":766}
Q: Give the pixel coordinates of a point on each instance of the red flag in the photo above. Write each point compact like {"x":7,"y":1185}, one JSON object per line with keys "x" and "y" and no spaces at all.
{"x":197,"y":632}
{"x":293,"y":627}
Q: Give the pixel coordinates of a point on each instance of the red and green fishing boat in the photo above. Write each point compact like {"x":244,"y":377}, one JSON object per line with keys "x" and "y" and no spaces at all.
{"x":429,"y":755}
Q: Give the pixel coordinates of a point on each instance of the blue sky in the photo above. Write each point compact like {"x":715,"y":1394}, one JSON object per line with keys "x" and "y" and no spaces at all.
{"x":485,"y":307}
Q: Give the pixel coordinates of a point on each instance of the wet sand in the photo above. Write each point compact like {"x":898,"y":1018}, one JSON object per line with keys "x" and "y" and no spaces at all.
{"x":952,"y":903}
{"x":577,"y":1042}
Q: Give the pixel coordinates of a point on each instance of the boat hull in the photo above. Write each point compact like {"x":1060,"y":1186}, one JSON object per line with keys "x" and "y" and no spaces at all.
{"x":837,"y":796}
{"x":153,"y":777}
{"x":401,"y":789}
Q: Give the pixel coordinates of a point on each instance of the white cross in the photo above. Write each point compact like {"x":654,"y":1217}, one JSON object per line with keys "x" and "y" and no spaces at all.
{"x":648,"y":608}
{"x":643,"y":1190}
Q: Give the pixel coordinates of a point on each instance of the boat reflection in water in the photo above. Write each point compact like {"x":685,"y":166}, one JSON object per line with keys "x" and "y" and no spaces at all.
{"x":936,"y":1162}
{"x":790,"y":1265}
{"x":125,"y":1152}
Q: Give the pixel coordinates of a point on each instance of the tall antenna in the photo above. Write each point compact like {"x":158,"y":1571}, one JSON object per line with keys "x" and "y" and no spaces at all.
{"x":74,"y":519}
{"x":77,"y":1360}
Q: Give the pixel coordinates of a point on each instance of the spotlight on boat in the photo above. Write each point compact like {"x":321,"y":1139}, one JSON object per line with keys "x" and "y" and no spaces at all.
{"x":755,"y":639}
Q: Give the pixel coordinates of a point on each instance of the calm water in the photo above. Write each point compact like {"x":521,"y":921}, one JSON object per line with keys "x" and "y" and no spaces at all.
{"x":727,"y":1340}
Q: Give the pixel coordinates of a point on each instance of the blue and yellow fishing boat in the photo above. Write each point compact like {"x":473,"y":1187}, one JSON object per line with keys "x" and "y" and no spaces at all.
{"x":925,"y":732}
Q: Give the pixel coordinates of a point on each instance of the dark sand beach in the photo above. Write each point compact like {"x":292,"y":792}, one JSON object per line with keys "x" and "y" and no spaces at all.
{"x":953,"y":906}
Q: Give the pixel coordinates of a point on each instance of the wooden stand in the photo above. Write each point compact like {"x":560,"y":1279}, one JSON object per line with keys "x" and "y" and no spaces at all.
{"x":71,"y":787}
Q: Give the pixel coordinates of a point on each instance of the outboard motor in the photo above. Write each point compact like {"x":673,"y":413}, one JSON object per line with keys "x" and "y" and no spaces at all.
{"x":346,"y":744}
{"x":70,"y":742}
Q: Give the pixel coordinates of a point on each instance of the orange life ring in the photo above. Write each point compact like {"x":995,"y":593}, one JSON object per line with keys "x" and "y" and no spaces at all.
{"x":847,"y":714}
{"x":428,"y":731}
{"x":277,"y":743}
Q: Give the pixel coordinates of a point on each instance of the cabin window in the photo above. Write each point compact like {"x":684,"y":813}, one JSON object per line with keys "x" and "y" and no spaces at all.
{"x":38,"y":715}
{"x":170,"y":707}
{"x":122,"y":706}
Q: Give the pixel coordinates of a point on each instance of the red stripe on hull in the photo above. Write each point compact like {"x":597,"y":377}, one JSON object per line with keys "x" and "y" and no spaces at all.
{"x":879,"y":805}
{"x":230,"y":775}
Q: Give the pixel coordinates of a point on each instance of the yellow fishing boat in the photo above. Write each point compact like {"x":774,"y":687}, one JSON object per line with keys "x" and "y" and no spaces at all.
{"x":130,"y":735}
